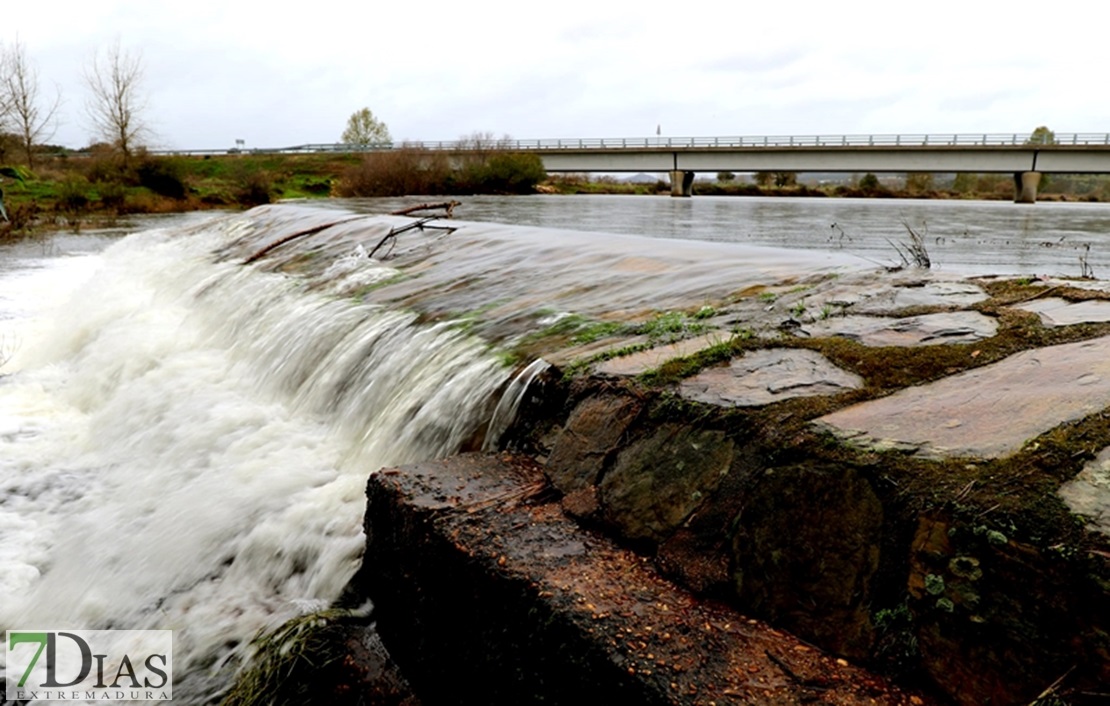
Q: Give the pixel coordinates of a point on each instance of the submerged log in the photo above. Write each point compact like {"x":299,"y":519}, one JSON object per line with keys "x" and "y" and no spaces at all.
{"x":449,"y":206}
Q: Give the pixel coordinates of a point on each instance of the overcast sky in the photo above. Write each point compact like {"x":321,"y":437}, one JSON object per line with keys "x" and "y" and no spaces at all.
{"x":285,"y":73}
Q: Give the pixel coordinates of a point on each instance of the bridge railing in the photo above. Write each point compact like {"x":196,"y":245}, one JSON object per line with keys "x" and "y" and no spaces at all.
{"x":1014,"y":139}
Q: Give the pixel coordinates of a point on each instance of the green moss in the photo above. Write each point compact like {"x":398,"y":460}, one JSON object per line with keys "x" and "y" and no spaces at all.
{"x":934,"y":584}
{"x":361,"y":292}
{"x":297,"y":663}
{"x":685,"y":366}
{"x":997,"y":538}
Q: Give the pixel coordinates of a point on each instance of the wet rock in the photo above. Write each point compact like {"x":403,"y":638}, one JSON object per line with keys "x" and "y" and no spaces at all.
{"x":591,"y":434}
{"x":485,"y":593}
{"x":370,"y":675}
{"x":987,"y":412}
{"x":805,"y":550}
{"x":636,"y":363}
{"x":657,"y":482}
{"x":330,"y":658}
{"x":766,"y":376}
{"x":699,"y":554}
{"x":1088,"y":494}
{"x":565,"y":356}
{"x":1061,"y":312}
{"x":998,"y":621}
{"x":929,"y":329}
{"x":885,"y":295}
{"x":582,"y":503}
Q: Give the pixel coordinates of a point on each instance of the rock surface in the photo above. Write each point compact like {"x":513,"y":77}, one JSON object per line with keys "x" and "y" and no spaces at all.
{"x":487,"y":594}
{"x":986,"y":412}
{"x":658,"y":481}
{"x":591,"y":434}
{"x":892,"y":295}
{"x":766,"y":376}
{"x":1061,"y":312}
{"x":1088,"y":494}
{"x":925,"y":330}
{"x":827,"y":562}
{"x":652,"y":358}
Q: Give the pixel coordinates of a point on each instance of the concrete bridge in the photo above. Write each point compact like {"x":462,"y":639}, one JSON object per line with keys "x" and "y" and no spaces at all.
{"x":1016,"y":154}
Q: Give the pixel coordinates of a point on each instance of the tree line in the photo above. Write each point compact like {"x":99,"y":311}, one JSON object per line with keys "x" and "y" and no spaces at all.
{"x":115,"y":103}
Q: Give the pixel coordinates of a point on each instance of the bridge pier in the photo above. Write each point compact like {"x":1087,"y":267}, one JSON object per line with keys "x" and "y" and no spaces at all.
{"x":682,"y":183}
{"x":1025,"y":186}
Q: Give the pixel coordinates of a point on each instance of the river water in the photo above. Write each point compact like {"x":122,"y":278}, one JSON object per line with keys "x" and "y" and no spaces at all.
{"x":184,"y":441}
{"x":972,"y":237}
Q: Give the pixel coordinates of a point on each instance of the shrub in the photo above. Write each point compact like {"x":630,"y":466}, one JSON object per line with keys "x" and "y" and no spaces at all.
{"x":22,"y":215}
{"x":113,"y":196}
{"x":162,"y":176}
{"x":869,"y":183}
{"x":513,"y":172}
{"x":73,"y":194}
{"x":397,"y":172}
{"x":255,"y":188}
{"x":104,"y":167}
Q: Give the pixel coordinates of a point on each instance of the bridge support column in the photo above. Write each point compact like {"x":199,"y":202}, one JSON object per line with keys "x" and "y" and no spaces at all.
{"x":682,"y":183}
{"x":1025,"y":186}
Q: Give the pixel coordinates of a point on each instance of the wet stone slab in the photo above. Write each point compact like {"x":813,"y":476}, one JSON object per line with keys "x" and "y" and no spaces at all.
{"x":566,"y":356}
{"x":930,"y":329}
{"x":988,"y":412}
{"x":1060,"y":312}
{"x":1088,"y":494}
{"x":865,"y":294}
{"x":630,"y":365}
{"x":766,"y":376}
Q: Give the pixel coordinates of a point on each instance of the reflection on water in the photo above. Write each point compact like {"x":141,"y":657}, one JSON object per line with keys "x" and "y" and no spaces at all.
{"x":981,"y":237}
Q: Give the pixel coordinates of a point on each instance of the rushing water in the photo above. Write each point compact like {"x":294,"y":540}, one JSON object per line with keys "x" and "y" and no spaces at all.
{"x":976,"y":237}
{"x":184,"y":441}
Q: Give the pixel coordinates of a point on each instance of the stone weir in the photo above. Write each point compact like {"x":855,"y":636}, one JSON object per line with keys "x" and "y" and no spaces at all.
{"x":740,"y":475}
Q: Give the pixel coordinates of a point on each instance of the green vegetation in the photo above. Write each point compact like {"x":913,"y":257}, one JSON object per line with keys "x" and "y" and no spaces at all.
{"x":411,"y":170}
{"x":363,"y":129}
{"x":13,"y":173}
{"x":306,"y":659}
{"x":102,"y":184}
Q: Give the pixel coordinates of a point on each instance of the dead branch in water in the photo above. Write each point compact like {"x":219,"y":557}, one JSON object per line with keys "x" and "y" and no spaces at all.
{"x":293,"y":236}
{"x":448,"y":206}
{"x":394,"y":232}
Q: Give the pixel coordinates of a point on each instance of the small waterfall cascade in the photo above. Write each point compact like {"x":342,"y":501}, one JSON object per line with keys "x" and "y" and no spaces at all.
{"x":185,"y":439}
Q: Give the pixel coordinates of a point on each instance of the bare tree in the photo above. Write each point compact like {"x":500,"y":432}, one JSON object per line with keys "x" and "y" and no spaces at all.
{"x":116,"y":102}
{"x":5,"y":99}
{"x":28,"y":117}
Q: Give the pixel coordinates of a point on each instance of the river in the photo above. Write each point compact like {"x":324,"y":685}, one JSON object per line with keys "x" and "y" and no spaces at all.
{"x":970,"y":237}
{"x":184,"y":441}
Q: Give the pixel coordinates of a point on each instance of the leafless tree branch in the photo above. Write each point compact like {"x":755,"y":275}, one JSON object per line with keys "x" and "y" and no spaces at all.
{"x":28,"y":117}
{"x":116,"y":103}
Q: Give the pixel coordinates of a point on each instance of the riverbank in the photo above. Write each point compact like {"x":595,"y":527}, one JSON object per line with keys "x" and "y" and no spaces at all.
{"x":991,"y":189}
{"x":74,"y":192}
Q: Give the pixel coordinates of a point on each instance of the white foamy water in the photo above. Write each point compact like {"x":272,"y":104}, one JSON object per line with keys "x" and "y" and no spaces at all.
{"x":184,"y":444}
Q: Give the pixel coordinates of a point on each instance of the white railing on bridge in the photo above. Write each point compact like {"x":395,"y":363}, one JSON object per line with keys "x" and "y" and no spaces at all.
{"x":746,"y":142}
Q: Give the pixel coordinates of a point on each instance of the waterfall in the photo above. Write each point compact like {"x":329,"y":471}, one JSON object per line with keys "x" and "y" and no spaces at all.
{"x":185,"y":440}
